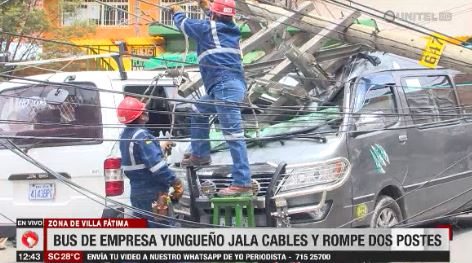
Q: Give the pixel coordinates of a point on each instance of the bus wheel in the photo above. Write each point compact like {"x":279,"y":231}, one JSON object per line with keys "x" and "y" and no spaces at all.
{"x":387,"y":213}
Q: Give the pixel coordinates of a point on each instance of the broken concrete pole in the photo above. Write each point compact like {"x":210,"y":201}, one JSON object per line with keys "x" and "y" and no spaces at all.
{"x":309,"y":47}
{"x":257,"y":40}
{"x":306,"y":62}
{"x":410,"y":45}
{"x":407,"y":43}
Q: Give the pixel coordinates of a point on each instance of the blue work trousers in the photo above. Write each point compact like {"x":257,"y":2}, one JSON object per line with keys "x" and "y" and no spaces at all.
{"x":223,"y":101}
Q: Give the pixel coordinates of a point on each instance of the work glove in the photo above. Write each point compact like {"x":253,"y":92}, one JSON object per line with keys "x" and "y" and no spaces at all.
{"x":166,"y":145}
{"x":204,"y":4}
{"x":178,"y":190}
{"x":161,"y":205}
{"x":175,"y":8}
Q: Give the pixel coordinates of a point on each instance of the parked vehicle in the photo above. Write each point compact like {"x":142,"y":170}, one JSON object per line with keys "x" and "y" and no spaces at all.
{"x":87,"y":110}
{"x":396,"y":148}
{"x":393,"y":144}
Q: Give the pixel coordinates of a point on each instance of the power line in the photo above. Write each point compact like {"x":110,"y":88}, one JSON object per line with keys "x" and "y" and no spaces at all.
{"x":359,"y":31}
{"x":70,"y":184}
{"x":4,"y":2}
{"x":126,"y":11}
{"x":345,"y":111}
{"x":450,"y":9}
{"x":3,"y":215}
{"x":396,"y":23}
{"x":414,"y":190}
{"x":393,"y":114}
{"x":298,"y":134}
{"x":81,"y":190}
{"x":241,"y":105}
{"x":138,"y":56}
{"x":436,"y":205}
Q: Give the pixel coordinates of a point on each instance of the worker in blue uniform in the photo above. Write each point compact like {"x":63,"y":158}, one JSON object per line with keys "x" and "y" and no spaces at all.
{"x":142,"y":159}
{"x":220,"y":63}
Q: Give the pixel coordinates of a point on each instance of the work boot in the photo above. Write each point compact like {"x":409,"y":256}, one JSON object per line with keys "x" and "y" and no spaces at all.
{"x":236,"y":191}
{"x":195,"y":161}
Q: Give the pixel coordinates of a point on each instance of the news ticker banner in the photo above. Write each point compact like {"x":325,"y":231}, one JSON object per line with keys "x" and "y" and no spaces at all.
{"x":115,"y":240}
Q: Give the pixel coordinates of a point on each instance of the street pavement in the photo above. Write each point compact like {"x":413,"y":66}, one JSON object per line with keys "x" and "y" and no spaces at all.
{"x":461,"y":250}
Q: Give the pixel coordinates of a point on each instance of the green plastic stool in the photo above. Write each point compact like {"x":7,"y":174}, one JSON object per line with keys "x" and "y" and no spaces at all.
{"x":236,"y":204}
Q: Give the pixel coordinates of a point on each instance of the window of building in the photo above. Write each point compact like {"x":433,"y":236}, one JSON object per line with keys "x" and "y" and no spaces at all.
{"x":27,"y":111}
{"x":191,"y":11}
{"x":114,"y":13}
{"x":430,"y":98}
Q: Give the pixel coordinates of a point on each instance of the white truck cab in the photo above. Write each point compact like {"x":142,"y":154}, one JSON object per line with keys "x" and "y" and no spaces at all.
{"x":86,"y":119}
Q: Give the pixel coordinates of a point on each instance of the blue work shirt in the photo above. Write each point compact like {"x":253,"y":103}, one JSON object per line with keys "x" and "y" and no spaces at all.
{"x":219,"y":54}
{"x":143,"y":163}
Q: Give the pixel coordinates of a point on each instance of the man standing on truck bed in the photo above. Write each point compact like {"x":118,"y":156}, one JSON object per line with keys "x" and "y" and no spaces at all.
{"x":219,"y":57}
{"x":142,"y":159}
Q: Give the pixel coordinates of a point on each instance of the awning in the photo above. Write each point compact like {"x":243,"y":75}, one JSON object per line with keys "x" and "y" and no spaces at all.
{"x":171,"y":60}
{"x":156,"y":29}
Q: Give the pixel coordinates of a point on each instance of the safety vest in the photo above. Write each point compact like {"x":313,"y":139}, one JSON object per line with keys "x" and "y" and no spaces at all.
{"x":142,"y":160}
{"x":218,"y":50}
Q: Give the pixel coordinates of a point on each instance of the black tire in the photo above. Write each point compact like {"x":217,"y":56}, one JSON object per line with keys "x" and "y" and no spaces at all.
{"x":387,"y":213}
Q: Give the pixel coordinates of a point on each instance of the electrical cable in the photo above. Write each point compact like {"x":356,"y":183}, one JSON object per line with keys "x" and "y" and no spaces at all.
{"x":147,"y":57}
{"x":4,"y":2}
{"x":290,"y":25}
{"x":126,"y":11}
{"x":61,"y":178}
{"x":420,"y":186}
{"x":452,"y":213}
{"x":6,"y":217}
{"x":241,"y":105}
{"x":275,"y":137}
{"x":364,"y":112}
{"x":345,"y":111}
{"x":439,"y":34}
{"x":434,"y":219}
{"x":320,"y":19}
{"x":398,"y":24}
{"x":328,"y":21}
{"x":447,"y":10}
{"x":435,"y":206}
{"x":388,"y":114}
{"x":72,"y":185}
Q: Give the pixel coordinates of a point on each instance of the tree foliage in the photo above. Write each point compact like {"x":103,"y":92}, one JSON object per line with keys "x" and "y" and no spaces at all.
{"x":26,"y":18}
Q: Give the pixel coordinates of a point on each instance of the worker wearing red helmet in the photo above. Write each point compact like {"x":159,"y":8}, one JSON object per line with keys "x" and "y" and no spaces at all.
{"x":142,"y":158}
{"x":220,"y":62}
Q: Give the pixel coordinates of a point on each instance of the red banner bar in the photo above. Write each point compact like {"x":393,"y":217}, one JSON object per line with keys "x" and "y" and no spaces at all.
{"x":95,"y":223}
{"x":64,"y":256}
{"x":448,"y":227}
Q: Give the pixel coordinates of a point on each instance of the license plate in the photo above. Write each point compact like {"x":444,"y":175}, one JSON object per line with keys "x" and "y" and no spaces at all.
{"x":41,"y":191}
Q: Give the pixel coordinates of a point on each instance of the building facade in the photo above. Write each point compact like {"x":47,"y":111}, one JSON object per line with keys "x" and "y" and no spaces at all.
{"x":117,"y":21}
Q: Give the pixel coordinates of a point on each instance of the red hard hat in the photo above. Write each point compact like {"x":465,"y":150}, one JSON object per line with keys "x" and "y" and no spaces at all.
{"x":129,"y":110}
{"x":224,"y":7}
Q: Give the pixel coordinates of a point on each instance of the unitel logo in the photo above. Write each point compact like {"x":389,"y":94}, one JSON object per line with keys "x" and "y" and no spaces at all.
{"x":29,"y":239}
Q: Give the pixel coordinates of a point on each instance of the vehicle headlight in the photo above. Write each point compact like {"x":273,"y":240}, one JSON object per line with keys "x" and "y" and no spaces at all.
{"x":208,"y":188}
{"x":314,"y":177}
